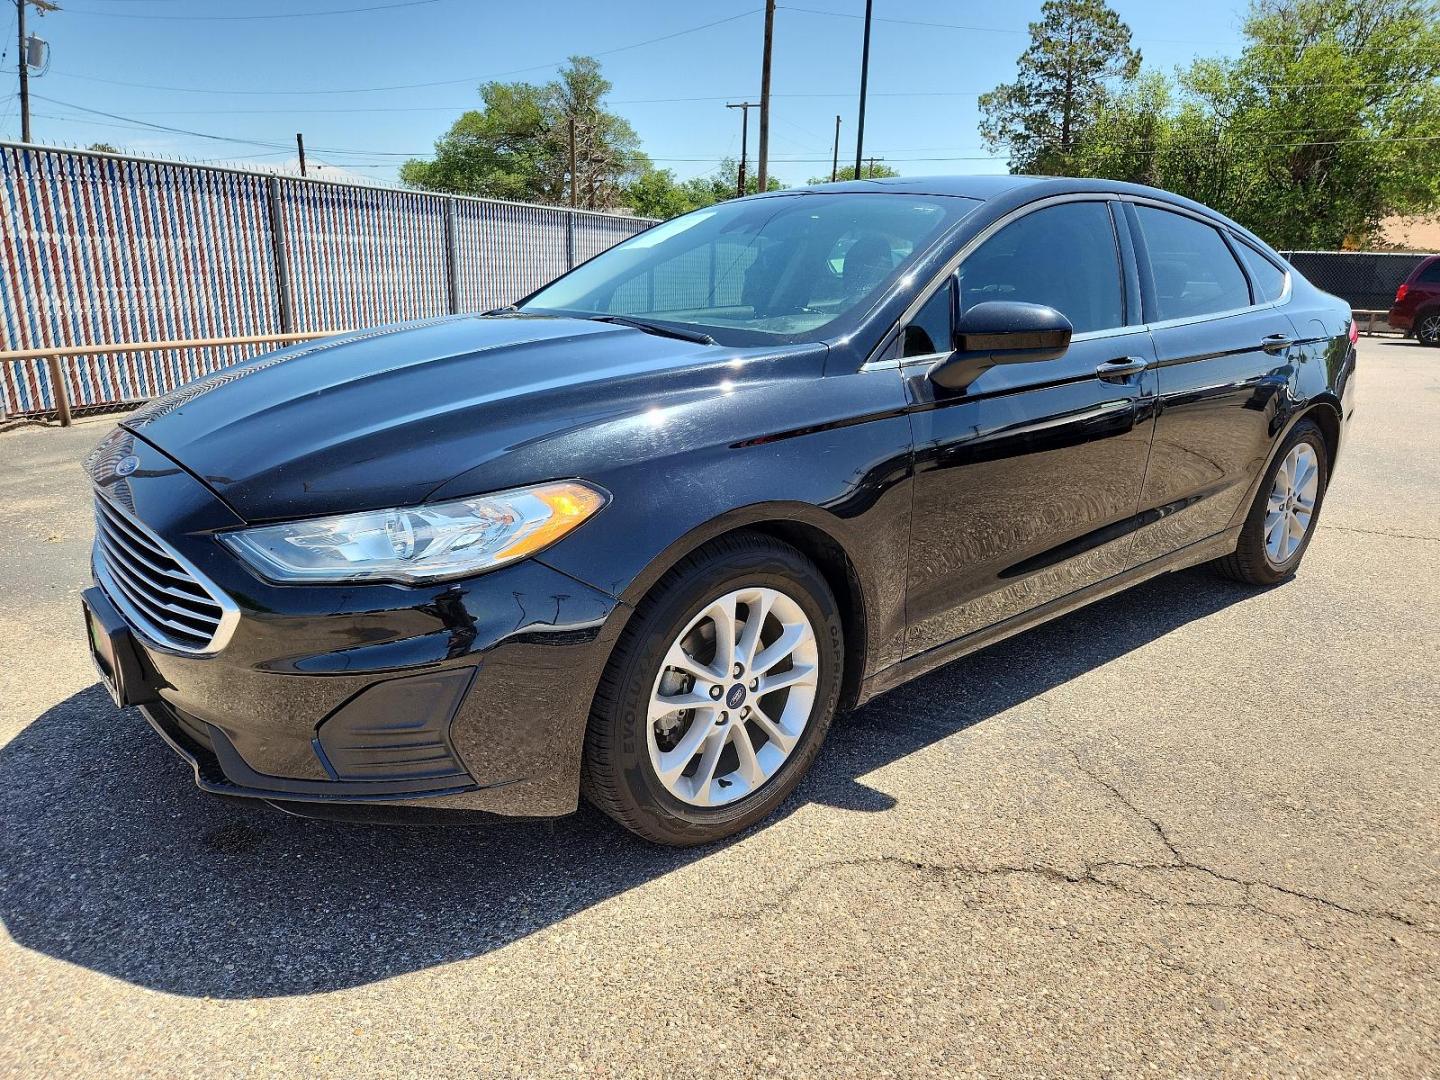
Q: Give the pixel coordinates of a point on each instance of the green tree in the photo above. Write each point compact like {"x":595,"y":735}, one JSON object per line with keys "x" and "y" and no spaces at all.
{"x":867,"y":172}
{"x":517,"y":145}
{"x":1078,"y":49}
{"x":1327,"y":122}
{"x":656,"y":193}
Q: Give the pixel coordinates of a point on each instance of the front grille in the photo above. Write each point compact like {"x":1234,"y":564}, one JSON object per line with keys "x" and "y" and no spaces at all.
{"x":161,"y":595}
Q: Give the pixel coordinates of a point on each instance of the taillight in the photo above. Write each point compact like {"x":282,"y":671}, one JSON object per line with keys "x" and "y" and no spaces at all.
{"x":1355,"y":328}
{"x":1400,"y":293}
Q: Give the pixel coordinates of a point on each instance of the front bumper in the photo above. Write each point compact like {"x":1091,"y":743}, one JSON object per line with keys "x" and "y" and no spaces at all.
{"x":473,"y":694}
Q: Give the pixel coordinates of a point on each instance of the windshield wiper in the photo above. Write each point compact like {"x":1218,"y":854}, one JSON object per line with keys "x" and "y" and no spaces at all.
{"x":655,"y":328}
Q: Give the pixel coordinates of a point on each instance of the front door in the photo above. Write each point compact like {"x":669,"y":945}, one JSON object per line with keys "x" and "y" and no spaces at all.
{"x":1027,"y":484}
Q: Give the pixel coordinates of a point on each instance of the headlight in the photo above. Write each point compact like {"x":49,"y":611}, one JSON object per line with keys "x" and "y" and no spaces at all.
{"x":418,"y":543}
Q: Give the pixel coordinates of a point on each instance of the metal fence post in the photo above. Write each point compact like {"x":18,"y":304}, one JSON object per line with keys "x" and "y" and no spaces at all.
{"x":60,"y":390}
{"x":282,"y":264}
{"x":452,"y":285}
{"x":569,"y":239}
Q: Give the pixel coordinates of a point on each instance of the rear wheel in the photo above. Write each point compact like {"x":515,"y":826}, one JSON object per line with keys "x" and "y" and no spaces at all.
{"x":1427,"y":328}
{"x":719,"y":694}
{"x":1281,"y":522}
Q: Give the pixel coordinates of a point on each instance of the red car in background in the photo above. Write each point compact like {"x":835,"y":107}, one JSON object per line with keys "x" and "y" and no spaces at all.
{"x":1417,"y":303}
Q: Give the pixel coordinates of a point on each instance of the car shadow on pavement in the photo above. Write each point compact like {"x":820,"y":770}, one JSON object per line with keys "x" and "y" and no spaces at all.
{"x":111,"y":859}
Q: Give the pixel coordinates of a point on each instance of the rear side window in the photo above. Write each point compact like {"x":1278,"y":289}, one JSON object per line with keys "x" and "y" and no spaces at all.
{"x":1431,"y":274}
{"x":1193,"y":269}
{"x":1062,"y":256}
{"x":1269,"y":279}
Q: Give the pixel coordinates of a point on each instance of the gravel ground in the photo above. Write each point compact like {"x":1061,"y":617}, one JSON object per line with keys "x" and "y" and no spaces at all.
{"x":1190,"y":830}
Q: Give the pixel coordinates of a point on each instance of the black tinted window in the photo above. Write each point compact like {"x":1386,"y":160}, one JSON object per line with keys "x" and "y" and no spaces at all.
{"x":1063,"y":256}
{"x":1430,"y":274}
{"x":1269,"y":279}
{"x":1194,"y":272}
{"x":930,"y":332}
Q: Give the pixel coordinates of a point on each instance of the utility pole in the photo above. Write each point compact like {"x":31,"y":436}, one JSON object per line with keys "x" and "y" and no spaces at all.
{"x":761,"y":176}
{"x":835,"y":158}
{"x":744,"y":107}
{"x":574,"y":191}
{"x":864,"y":79}
{"x":871,"y":173}
{"x":300,"y":143}
{"x":23,"y":59}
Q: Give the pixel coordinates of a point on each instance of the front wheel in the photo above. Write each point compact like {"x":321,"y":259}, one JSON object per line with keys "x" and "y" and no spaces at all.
{"x":1281,"y":522}
{"x":719,"y":693}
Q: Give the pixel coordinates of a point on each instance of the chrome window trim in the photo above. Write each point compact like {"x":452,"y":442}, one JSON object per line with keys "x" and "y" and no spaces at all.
{"x":990,"y":230}
{"x":1227,"y":234}
{"x":138,"y":620}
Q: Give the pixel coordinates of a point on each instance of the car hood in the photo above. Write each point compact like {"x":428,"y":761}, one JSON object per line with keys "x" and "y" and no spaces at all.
{"x":384,"y":417}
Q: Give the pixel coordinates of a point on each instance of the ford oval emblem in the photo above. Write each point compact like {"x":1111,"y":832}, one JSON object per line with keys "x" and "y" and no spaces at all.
{"x":127,"y":465}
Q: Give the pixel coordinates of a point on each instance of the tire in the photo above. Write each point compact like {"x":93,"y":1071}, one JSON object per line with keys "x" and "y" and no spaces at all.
{"x":1427,"y":328}
{"x":626,"y":743}
{"x":1258,"y":559}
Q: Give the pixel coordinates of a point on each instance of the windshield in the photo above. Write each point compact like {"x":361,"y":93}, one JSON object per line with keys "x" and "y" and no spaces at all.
{"x":776,"y":268}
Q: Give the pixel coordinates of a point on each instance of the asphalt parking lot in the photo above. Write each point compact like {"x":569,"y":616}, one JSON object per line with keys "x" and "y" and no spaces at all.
{"x":1191,"y":830}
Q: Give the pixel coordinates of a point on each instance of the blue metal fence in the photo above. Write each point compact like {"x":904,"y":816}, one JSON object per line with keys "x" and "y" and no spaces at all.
{"x":103,"y":248}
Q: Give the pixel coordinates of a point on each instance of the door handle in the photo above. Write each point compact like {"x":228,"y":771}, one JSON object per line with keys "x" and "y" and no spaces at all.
{"x":1273,"y":343}
{"x":1120,"y":367}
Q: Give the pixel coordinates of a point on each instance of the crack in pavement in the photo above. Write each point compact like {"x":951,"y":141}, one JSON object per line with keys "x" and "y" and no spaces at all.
{"x":1181,"y":862}
{"x":1378,"y":532}
{"x":1092,"y":873}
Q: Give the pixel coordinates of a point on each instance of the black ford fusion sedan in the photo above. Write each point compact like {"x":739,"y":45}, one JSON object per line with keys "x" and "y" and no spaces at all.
{"x":641,"y":535}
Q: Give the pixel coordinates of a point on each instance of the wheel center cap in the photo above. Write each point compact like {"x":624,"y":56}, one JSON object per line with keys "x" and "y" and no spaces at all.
{"x":736,"y":696}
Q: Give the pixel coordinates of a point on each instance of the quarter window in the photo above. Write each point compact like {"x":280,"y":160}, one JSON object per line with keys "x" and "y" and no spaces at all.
{"x":1193,"y":269}
{"x":932,"y":330}
{"x":1431,"y":274}
{"x":1063,"y":256}
{"x":1269,"y":279}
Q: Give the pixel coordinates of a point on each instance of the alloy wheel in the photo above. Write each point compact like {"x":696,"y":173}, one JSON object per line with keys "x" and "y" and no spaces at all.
{"x":733,"y":697}
{"x":1429,"y":329}
{"x":1291,"y":507}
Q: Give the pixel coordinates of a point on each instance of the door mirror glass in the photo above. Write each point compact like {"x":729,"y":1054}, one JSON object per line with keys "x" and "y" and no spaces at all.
{"x":1001,"y":332}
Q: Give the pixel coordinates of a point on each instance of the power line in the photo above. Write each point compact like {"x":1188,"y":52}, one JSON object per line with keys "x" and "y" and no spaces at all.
{"x":247,"y":18}
{"x":1009,"y":30}
{"x":410,"y":86}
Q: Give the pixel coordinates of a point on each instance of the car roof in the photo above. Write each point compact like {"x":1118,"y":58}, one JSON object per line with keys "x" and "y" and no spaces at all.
{"x":970,"y":187}
{"x":1015,"y":189}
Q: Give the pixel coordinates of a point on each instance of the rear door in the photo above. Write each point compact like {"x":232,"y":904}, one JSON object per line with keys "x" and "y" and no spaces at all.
{"x":1224,"y":352}
{"x":1027,"y":484}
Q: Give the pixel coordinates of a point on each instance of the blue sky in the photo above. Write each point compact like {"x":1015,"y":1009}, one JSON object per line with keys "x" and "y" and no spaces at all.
{"x":215,"y":68}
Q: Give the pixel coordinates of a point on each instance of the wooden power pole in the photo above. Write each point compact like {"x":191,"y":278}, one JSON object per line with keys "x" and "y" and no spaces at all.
{"x":864,"y":79}
{"x":300,"y":146}
{"x":574,"y":191}
{"x":744,"y":107}
{"x":761,"y":175}
{"x":835,"y":158}
{"x":23,"y":59}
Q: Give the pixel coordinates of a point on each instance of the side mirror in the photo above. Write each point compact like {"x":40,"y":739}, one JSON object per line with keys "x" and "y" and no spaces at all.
{"x":1001,"y":332}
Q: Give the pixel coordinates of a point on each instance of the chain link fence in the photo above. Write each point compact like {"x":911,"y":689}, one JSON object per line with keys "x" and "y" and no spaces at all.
{"x":1366,"y":280}
{"x":104,"y":249}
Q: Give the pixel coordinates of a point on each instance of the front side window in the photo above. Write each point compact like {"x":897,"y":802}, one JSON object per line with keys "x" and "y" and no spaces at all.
{"x":1193,"y":269}
{"x":781,"y":268}
{"x":1063,"y":256}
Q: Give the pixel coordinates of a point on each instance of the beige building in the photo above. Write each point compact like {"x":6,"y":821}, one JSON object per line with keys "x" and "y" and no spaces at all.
{"x":1410,"y":234}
